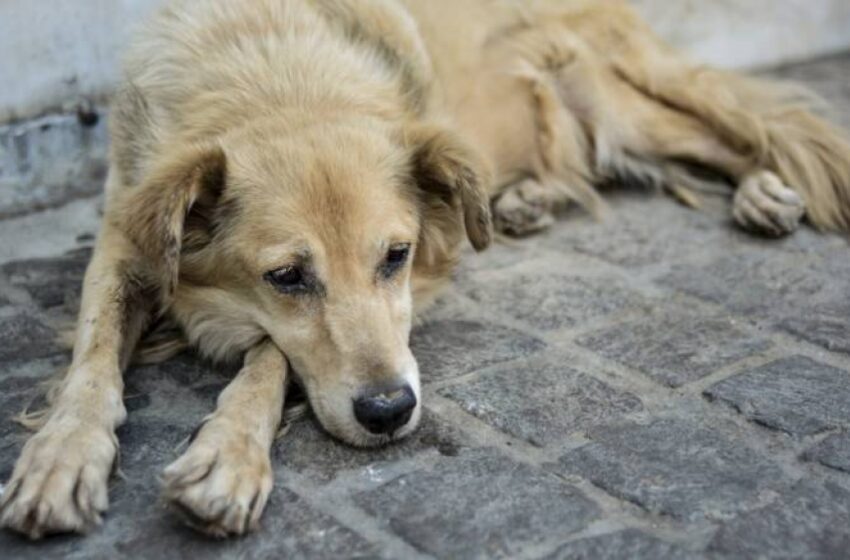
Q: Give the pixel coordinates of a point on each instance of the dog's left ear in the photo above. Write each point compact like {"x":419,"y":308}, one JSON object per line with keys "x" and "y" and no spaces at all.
{"x":172,"y":210}
{"x":447,"y":169}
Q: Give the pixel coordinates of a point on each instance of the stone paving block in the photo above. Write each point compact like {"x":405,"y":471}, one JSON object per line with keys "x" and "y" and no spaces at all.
{"x":637,"y":232}
{"x":833,"y":452}
{"x":630,"y":544}
{"x":23,"y":338}
{"x":804,"y":293}
{"x":811,"y":522}
{"x":55,"y":282}
{"x":450,"y":348}
{"x":542,"y":400}
{"x":479,"y":505}
{"x":753,"y":283}
{"x":676,"y":348}
{"x":549,"y":300}
{"x":683,"y":467}
{"x":797,"y":395}
{"x":184,"y":370}
{"x":148,"y":445}
{"x":309,"y":450}
{"x":827,"y":325}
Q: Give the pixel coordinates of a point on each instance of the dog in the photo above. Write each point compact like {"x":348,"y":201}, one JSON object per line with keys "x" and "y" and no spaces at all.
{"x":292,"y":181}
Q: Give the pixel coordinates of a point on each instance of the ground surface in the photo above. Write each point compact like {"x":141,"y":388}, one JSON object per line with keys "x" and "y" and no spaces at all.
{"x":655,"y":386}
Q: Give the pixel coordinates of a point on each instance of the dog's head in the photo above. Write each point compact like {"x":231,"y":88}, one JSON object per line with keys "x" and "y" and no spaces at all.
{"x":320,"y":239}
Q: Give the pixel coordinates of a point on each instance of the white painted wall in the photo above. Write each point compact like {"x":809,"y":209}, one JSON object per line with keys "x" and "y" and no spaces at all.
{"x":749,"y":33}
{"x":55,"y":51}
{"x":52,"y":52}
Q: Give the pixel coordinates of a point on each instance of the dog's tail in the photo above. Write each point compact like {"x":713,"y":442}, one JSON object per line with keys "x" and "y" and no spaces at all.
{"x":777,"y":127}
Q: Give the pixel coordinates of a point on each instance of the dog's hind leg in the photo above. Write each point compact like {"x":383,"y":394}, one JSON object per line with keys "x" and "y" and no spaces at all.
{"x":773,"y":127}
{"x":221,"y":483}
{"x":59,"y":483}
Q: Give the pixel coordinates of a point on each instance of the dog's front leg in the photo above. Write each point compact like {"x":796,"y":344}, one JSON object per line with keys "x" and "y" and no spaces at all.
{"x":221,"y":483}
{"x":59,"y":483}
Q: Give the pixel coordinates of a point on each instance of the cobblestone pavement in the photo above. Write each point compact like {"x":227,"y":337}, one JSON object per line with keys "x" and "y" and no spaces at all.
{"x":656,"y":386}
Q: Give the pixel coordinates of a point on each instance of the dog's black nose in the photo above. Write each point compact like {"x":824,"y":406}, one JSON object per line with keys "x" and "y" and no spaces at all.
{"x":384,"y":411}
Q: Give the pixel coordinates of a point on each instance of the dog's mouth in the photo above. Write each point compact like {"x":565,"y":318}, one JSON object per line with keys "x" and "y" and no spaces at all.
{"x":337,"y":421}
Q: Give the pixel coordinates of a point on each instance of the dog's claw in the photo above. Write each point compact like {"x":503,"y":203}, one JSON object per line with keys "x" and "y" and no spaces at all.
{"x":765,"y":205}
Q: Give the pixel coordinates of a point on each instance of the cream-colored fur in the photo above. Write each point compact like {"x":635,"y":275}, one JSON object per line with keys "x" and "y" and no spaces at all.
{"x":325,"y":136}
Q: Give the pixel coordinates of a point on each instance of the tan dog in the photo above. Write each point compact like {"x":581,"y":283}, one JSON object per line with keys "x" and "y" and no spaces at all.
{"x":291,"y":181}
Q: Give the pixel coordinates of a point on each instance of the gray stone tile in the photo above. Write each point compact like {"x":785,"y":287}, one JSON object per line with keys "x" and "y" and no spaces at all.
{"x":450,"y":348}
{"x":682,"y":467}
{"x":797,"y":395}
{"x":184,"y":370}
{"x":23,"y":338}
{"x":827,"y":325}
{"x":753,"y":283}
{"x":148,"y":445}
{"x":479,"y":505}
{"x":833,"y":452}
{"x":54,"y":282}
{"x":811,"y":522}
{"x":542,"y":400}
{"x":804,"y":293}
{"x":637,"y":232}
{"x":676,"y":347}
{"x":630,"y":543}
{"x":309,"y":450}
{"x":549,"y":300}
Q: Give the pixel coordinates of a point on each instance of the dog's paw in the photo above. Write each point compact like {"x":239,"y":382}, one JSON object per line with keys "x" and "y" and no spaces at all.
{"x":763,"y":203}
{"x":220,"y":485}
{"x":524,"y":208}
{"x":59,"y":483}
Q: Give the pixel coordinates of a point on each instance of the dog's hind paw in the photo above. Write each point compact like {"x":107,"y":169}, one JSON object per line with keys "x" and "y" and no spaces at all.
{"x":764,"y":204}
{"x":59,"y":484}
{"x":220,"y":485}
{"x":524,"y":208}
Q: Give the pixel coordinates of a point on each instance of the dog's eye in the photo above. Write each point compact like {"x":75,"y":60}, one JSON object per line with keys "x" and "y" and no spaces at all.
{"x":289,"y":279}
{"x":395,"y":259}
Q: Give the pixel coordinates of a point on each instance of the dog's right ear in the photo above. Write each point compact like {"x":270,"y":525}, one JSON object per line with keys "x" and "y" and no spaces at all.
{"x":453,"y":179}
{"x":186,"y":183}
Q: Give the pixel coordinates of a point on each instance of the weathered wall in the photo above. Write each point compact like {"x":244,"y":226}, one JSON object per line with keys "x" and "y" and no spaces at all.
{"x":53,"y":52}
{"x":748,"y":33}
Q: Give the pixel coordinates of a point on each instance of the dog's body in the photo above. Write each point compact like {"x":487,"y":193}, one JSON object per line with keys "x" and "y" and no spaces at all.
{"x":291,"y":181}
